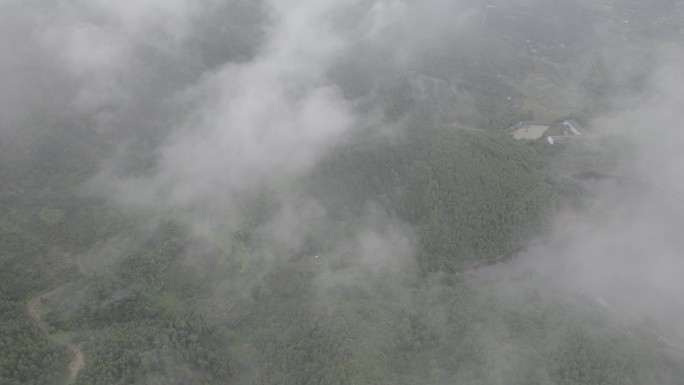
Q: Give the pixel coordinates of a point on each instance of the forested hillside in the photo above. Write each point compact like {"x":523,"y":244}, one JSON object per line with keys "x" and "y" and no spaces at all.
{"x":154,"y":317}
{"x":43,"y":222}
{"x":323,"y":192}
{"x":472,"y":196}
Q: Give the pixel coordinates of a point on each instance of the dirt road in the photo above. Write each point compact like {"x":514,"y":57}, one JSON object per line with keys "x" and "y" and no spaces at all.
{"x":76,"y":363}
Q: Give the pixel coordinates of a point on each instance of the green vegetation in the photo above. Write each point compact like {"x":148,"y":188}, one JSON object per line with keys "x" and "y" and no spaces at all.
{"x":472,"y":196}
{"x":179,"y":309}
{"x":26,"y":356}
{"x":451,"y":329}
{"x":237,"y":302}
{"x":42,"y":220}
{"x":138,"y":324}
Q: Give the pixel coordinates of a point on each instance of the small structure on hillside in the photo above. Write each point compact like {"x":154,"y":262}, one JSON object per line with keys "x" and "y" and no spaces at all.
{"x":556,"y":139}
{"x":572,"y":127}
{"x":563,"y":139}
{"x":514,"y":127}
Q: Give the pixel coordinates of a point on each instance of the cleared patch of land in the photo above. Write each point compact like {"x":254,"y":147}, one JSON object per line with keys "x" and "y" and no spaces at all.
{"x":530,"y":131}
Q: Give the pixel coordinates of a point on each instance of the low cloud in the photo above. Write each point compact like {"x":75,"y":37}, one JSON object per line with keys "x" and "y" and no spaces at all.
{"x":627,"y":252}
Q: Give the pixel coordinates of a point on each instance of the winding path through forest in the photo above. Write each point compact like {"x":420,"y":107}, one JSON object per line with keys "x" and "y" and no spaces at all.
{"x":76,"y":363}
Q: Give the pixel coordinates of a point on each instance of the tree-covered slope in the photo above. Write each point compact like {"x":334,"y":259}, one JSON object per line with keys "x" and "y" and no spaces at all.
{"x":175,"y":308}
{"x":448,"y":329}
{"x":472,"y":196}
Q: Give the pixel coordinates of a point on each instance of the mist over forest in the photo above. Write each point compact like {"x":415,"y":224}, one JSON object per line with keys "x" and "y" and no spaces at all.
{"x":323,"y":192}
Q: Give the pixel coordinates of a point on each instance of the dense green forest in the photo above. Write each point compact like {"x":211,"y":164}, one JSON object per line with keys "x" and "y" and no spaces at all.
{"x":472,"y":196}
{"x":367,"y":252}
{"x":177,"y":308}
{"x":289,"y":329}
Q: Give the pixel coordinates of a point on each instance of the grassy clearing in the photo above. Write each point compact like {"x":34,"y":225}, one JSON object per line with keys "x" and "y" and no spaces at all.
{"x":549,"y":94}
